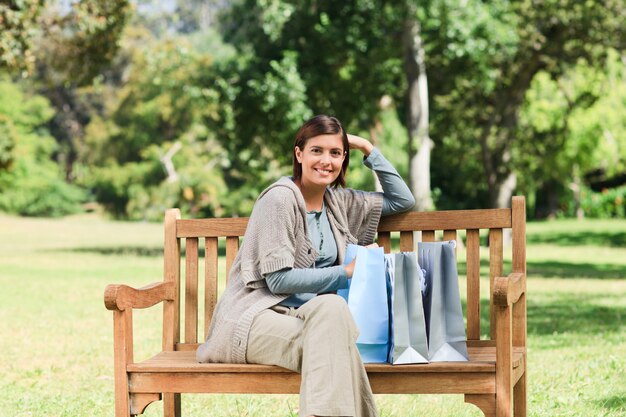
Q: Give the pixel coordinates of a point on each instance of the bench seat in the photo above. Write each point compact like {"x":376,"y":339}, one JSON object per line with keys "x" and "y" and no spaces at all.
{"x":178,"y":371}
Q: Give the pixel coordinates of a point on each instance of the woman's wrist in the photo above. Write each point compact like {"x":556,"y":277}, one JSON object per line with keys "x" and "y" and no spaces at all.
{"x":362,"y":144}
{"x":367,"y":148}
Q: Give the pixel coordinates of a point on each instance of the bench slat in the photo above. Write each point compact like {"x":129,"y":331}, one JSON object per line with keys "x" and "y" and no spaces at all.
{"x":191,"y":290}
{"x":406,"y":242}
{"x":171,"y":273}
{"x":235,"y":226}
{"x":428,"y":235}
{"x":289,"y":383}
{"x":474,"y":344}
{"x":442,"y":220}
{"x":437,"y":220}
{"x":232,"y":247}
{"x":473,"y":284}
{"x":384,"y":240}
{"x":450,"y":235}
{"x":482,"y":359}
{"x":518,"y":236}
{"x":210,"y":281}
{"x":495,"y":270}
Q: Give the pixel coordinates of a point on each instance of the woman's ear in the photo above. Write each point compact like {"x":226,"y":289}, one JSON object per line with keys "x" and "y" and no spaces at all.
{"x":298,"y":153}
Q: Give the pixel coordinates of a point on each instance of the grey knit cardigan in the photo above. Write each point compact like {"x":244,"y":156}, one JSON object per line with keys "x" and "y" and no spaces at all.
{"x":276,"y":238}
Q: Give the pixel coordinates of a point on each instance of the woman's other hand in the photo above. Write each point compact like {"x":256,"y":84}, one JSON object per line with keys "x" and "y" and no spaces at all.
{"x":362,"y":144}
{"x":350,"y":267}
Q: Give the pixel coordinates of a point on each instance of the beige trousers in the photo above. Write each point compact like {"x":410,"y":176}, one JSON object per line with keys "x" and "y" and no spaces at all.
{"x":317,"y":340}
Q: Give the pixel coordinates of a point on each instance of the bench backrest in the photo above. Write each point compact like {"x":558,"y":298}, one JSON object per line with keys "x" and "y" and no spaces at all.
{"x":208,"y":238}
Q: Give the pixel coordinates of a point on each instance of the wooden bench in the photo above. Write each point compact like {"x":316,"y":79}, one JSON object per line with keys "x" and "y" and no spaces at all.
{"x":494,"y":379}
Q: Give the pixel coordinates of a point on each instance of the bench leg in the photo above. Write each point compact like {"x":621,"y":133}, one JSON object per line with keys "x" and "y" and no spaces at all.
{"x":122,"y":403}
{"x":486,"y":403}
{"x":171,"y":405}
{"x":139,"y":402}
{"x":519,"y":397}
{"x":123,"y":354}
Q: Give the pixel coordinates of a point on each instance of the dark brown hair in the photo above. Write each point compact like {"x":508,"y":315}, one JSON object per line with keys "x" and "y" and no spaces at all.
{"x":321,"y":125}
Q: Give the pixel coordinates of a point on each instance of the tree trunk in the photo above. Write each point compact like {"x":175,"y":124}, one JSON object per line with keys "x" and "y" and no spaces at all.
{"x":420,"y":144}
{"x":506,"y":190}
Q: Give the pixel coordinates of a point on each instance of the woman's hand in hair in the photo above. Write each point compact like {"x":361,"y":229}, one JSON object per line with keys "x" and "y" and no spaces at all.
{"x":362,"y":144}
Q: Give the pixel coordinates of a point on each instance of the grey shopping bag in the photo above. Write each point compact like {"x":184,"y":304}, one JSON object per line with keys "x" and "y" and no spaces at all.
{"x":442,"y":302}
{"x":407,"y":321}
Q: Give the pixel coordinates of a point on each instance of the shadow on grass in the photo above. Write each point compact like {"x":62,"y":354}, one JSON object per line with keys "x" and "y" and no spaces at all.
{"x":571,"y":314}
{"x":556,"y":269}
{"x":575,"y":314}
{"x":614,"y":403}
{"x":139,"y":251}
{"x":587,"y":238}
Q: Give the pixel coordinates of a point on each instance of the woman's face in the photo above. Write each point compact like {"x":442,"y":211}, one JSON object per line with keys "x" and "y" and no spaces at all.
{"x":321,"y":160}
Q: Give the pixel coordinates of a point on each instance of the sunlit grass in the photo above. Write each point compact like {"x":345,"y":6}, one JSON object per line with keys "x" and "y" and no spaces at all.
{"x":56,"y":345}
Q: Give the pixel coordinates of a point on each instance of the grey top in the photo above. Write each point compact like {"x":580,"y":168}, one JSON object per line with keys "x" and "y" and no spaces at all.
{"x":305,"y":283}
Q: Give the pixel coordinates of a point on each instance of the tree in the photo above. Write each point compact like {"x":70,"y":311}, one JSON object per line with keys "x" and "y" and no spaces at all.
{"x":487,"y":55}
{"x":417,"y":114}
{"x":62,"y":49}
{"x":81,"y":40}
{"x":336,"y":58}
{"x":30,"y":182}
{"x":164,"y":138}
{"x":570,"y":127}
{"x":19,"y":28}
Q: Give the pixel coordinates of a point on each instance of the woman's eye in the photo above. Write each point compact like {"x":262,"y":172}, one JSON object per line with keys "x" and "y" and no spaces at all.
{"x":316,"y":151}
{"x":336,"y":154}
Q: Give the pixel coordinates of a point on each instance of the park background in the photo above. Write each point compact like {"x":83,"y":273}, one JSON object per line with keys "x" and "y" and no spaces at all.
{"x":113,"y":111}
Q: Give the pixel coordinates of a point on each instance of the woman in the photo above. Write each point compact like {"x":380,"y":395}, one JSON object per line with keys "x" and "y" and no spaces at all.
{"x":279,"y":307}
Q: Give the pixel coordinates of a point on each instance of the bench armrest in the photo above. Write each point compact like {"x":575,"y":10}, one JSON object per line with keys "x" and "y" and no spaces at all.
{"x":120,"y":297}
{"x":509,"y":289}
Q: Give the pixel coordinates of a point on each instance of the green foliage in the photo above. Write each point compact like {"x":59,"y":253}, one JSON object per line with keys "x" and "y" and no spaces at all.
{"x":482,"y":60}
{"x":164,"y":140}
{"x":534,"y":88}
{"x":602,"y":126}
{"x":7,"y":142}
{"x":571,"y":126}
{"x":30,"y":190}
{"x":610,"y":203}
{"x":270,"y":107}
{"x":80,"y":42}
{"x":390,"y":136}
{"x":548,"y":150}
{"x":18,"y":20}
{"x":347,"y":54}
{"x":31,"y":183}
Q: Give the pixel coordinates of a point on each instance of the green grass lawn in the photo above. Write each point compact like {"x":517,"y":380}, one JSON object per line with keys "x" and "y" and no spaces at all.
{"x":56,"y":345}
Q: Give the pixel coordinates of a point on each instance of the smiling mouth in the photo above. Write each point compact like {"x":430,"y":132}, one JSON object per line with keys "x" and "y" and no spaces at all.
{"x":323,"y":171}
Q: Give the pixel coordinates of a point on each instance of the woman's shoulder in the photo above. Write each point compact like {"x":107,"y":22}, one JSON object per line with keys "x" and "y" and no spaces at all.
{"x":282,"y":189}
{"x":354,"y":200}
{"x":341,"y":193}
{"x":278,"y":197}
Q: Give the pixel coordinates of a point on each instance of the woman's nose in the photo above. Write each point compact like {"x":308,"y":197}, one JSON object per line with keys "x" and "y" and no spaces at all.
{"x":325,"y":157}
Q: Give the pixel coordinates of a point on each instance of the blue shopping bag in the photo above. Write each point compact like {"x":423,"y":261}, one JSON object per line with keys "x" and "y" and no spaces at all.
{"x":367,"y":299}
